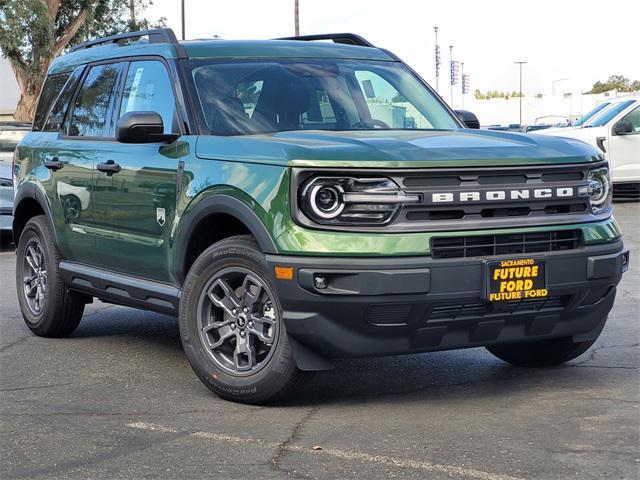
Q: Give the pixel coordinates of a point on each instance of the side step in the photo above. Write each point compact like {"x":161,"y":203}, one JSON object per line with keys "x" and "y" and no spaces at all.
{"x":121,"y":289}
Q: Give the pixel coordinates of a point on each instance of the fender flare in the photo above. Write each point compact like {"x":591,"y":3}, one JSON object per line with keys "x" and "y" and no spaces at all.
{"x":220,"y":203}
{"x":29,"y":191}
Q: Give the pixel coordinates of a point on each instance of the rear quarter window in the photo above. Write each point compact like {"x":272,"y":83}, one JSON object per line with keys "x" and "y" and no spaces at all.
{"x":56,"y":114}
{"x":52,"y":88}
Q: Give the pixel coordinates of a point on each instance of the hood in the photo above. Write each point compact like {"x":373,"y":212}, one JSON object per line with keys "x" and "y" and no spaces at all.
{"x":396,"y":148}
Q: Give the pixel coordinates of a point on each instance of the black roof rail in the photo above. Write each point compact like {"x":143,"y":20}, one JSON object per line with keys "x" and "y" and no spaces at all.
{"x":157,"y":35}
{"x":345,"y":38}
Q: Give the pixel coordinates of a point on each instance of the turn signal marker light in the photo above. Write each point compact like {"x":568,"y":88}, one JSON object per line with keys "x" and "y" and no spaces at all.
{"x":284,"y":273}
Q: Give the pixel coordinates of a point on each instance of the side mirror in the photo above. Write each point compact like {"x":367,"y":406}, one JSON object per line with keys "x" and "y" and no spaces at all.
{"x":142,"y":127}
{"x":468,"y":118}
{"x":623,"y":127}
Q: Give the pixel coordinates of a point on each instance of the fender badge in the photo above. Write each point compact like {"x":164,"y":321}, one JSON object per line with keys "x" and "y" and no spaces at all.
{"x":160,"y":216}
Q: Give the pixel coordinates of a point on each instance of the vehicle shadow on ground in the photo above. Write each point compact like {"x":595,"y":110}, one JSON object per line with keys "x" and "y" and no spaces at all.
{"x":7,"y":247}
{"x":431,"y":375}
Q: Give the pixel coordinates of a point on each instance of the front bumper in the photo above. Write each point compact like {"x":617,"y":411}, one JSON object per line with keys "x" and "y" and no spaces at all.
{"x":385,"y":306}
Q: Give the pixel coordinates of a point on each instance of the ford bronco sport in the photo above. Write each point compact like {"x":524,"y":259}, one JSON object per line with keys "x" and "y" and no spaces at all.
{"x":294,"y":201}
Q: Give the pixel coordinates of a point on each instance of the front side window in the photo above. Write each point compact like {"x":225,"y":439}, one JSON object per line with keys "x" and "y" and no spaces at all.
{"x":633,"y":117}
{"x":93,"y":106}
{"x":148,"y":89}
{"x":52,"y":87}
{"x":266,"y":96}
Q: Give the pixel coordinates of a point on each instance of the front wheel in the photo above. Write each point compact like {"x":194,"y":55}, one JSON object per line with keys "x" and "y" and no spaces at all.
{"x":542,"y":353}
{"x":231,"y":325}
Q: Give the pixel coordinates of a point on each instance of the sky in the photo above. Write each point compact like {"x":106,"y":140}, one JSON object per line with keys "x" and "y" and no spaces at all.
{"x":572,"y":42}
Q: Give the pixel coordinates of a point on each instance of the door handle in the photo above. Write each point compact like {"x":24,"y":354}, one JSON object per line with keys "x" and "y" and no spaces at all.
{"x":109,"y":167}
{"x":53,"y":164}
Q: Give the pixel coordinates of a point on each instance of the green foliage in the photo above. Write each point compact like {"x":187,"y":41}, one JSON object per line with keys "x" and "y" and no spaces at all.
{"x":495,"y":94}
{"x":399,"y":98}
{"x":615,"y":82}
{"x":34,"y":32}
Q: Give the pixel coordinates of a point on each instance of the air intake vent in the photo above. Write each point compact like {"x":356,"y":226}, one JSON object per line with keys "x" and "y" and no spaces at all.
{"x":491,"y":245}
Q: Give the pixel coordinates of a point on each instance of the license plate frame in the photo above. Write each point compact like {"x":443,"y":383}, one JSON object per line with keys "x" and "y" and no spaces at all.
{"x":514,"y":270}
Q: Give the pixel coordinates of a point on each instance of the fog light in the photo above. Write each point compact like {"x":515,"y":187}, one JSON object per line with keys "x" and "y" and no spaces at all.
{"x":320,"y":282}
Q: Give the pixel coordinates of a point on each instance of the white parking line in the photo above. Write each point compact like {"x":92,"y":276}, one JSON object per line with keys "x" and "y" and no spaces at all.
{"x":451,"y":470}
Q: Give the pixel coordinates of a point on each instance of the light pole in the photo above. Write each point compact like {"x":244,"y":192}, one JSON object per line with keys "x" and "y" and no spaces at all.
{"x":182,"y":12}
{"x":437,"y":60}
{"x":553,"y":85}
{"x":520,"y":63}
{"x":297,"y":17}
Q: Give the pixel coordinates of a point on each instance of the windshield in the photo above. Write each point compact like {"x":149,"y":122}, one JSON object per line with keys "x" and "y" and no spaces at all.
{"x":606,"y":116}
{"x":589,"y":114}
{"x":265,"y":96}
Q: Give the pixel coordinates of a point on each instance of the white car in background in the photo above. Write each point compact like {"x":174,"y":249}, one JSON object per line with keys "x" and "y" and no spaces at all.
{"x":10,"y":135}
{"x":616,"y":131}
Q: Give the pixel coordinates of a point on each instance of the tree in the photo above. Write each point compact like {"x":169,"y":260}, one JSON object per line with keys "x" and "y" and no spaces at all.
{"x":34,"y":32}
{"x":478,"y":95}
{"x":619,"y":83}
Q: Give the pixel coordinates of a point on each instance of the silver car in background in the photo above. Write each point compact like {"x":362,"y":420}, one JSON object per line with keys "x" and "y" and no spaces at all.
{"x":10,"y":135}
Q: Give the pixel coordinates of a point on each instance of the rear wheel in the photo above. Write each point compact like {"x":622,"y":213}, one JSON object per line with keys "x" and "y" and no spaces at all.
{"x":231,"y":325}
{"x":47,"y":307}
{"x":543,"y":353}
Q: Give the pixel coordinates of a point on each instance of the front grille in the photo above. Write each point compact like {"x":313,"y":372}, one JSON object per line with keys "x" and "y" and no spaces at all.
{"x":506,"y":244}
{"x":470,"y":200}
{"x":480,"y":309}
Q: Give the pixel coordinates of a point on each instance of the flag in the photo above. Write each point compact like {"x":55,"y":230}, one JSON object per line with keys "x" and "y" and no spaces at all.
{"x":455,"y":68}
{"x":465,"y":83}
{"x":437,"y":60}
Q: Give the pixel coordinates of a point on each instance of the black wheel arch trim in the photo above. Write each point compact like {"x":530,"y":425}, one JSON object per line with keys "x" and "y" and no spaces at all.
{"x":220,"y":203}
{"x":30,"y":191}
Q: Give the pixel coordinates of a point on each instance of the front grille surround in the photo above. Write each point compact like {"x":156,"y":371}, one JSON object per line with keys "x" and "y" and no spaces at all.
{"x":429,"y":217}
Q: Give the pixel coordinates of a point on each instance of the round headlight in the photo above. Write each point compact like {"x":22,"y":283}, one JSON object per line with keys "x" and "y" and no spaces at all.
{"x":326,"y":200}
{"x":598,"y":187}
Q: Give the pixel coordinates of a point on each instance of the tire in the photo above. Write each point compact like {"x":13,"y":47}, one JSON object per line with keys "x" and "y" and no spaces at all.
{"x":543,"y":353}
{"x":244,"y":356}
{"x":58,"y":312}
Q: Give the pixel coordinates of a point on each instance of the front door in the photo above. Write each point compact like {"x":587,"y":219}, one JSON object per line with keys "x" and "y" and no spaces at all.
{"x":135,"y":206}
{"x":624,"y":150}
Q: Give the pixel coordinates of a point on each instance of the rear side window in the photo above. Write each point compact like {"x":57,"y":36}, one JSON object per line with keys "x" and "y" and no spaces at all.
{"x":52,"y":87}
{"x":56,"y":115}
{"x":148,"y":89}
{"x":92,"y":110}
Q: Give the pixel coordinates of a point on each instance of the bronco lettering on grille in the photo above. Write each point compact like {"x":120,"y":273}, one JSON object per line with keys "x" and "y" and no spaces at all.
{"x":505,"y":195}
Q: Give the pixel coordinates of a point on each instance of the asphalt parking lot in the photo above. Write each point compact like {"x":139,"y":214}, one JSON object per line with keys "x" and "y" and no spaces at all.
{"x":118,"y":400}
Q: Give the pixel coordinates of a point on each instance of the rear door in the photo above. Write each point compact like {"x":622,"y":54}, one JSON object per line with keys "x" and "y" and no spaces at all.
{"x":67,"y":167}
{"x":137,"y":204}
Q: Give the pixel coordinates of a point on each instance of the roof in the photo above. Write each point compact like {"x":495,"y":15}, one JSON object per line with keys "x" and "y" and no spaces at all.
{"x":221,"y":49}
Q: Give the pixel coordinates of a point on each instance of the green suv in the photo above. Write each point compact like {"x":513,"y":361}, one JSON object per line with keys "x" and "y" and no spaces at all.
{"x":294,"y":201}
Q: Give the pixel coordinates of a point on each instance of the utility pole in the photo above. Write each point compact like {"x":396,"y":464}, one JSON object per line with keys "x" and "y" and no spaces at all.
{"x":132,"y":14}
{"x":520,"y":63}
{"x":437,"y":51}
{"x":182,"y":6}
{"x":297,"y":17}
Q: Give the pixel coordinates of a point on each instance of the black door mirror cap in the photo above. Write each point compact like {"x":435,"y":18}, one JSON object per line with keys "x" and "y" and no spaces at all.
{"x":142,"y":127}
{"x":623,"y":127}
{"x":468,"y":118}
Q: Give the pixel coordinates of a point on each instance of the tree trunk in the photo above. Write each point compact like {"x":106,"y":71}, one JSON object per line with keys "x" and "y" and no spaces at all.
{"x":30,"y":86}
